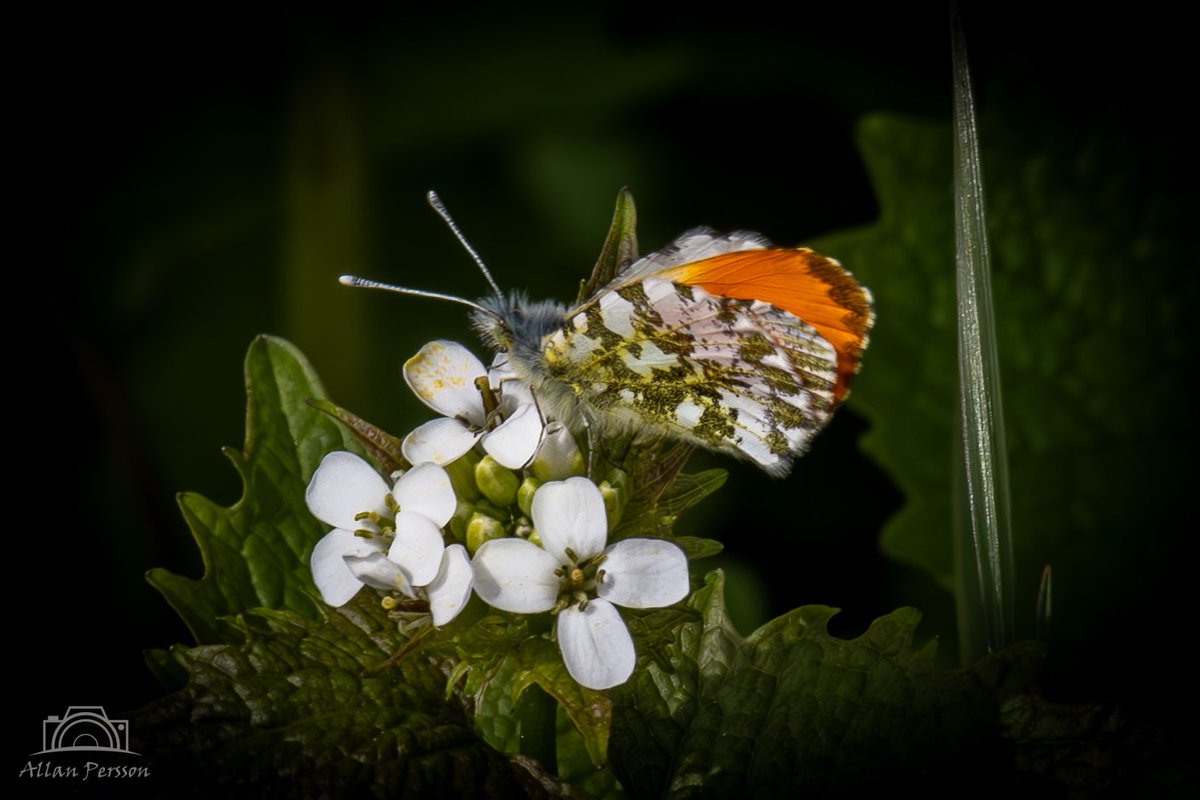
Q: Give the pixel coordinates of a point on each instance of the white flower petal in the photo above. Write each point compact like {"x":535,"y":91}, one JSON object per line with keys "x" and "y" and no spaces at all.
{"x":514,"y":394}
{"x":345,"y":485}
{"x":443,"y":375}
{"x":515,"y":575}
{"x":644,"y":573}
{"x":426,"y":489}
{"x":377,"y":571}
{"x":558,"y":457}
{"x":500,"y":371}
{"x":440,"y":440}
{"x":418,"y":547}
{"x":513,"y":391}
{"x":596,"y":645}
{"x":570,"y":514}
{"x":515,"y":440}
{"x":332,"y":576}
{"x":451,"y":589}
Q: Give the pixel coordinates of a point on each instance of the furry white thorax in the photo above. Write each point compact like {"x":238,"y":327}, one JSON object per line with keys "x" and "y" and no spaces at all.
{"x":515,"y":326}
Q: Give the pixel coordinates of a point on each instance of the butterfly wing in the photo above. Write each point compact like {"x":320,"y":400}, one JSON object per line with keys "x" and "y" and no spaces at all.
{"x":722,"y":341}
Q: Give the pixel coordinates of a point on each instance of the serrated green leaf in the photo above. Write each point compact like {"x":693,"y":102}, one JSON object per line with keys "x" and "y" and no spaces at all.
{"x":654,"y":630}
{"x":508,"y":659}
{"x":256,"y":551}
{"x":297,"y":688}
{"x":495,"y":710}
{"x":166,"y":670}
{"x":590,"y":711}
{"x":791,"y":710}
{"x":308,"y":699}
{"x":1092,"y":286}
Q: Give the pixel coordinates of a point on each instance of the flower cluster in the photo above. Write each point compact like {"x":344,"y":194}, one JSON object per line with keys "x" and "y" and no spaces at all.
{"x":390,"y":540}
{"x":551,"y":556}
{"x":575,"y":575}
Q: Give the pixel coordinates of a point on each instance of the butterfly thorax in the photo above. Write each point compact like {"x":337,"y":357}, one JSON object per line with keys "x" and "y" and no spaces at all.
{"x":518,"y":327}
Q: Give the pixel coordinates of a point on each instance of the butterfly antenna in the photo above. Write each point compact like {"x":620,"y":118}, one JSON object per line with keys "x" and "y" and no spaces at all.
{"x":365,"y":283}
{"x":436,"y":203}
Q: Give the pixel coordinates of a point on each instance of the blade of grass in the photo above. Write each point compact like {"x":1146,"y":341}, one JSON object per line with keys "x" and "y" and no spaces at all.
{"x":984,"y":520}
{"x":1045,"y":607}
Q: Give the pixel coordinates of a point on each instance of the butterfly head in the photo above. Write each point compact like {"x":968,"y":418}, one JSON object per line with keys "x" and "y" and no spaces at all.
{"x":511,"y":323}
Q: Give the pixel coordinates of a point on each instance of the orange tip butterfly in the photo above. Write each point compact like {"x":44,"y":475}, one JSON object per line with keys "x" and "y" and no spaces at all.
{"x":720,"y":340}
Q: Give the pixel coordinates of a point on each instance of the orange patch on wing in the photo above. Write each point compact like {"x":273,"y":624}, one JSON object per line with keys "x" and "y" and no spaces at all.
{"x":814,"y":288}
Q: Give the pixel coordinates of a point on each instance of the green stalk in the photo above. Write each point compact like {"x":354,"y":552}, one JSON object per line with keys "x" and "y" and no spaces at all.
{"x":983,"y":533}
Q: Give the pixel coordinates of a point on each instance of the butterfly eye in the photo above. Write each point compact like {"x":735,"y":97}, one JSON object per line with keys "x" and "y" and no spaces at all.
{"x":495,"y":329}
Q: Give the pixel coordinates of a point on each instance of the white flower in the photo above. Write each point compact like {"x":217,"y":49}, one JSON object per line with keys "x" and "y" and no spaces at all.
{"x":443,"y":375}
{"x":575,"y":574}
{"x":387,"y":540}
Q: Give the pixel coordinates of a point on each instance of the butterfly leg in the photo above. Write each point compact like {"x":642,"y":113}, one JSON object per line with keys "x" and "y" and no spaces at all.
{"x":591,"y":440}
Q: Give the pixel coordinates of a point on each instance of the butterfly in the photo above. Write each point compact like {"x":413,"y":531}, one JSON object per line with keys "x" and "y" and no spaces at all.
{"x":720,"y":340}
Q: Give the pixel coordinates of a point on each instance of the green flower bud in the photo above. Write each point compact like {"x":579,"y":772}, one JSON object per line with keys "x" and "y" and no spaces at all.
{"x":524,"y":529}
{"x":462,"y":517}
{"x":462,"y":476}
{"x":619,"y":478}
{"x":484,"y":506}
{"x":498,"y":483}
{"x":614,"y":503}
{"x":480,"y":529}
{"x":525,"y":493}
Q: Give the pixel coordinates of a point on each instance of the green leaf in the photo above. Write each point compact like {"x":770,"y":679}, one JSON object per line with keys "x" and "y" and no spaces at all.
{"x":256,"y":551}
{"x":659,"y":492}
{"x":1093,"y":285}
{"x":791,"y":710}
{"x":654,"y":630}
{"x":308,"y":699}
{"x":576,"y":767}
{"x":506,"y":658}
{"x":383,"y":447}
{"x":620,"y":247}
{"x":695,"y":547}
{"x":282,"y":684}
{"x":689,"y":489}
{"x":165,"y":668}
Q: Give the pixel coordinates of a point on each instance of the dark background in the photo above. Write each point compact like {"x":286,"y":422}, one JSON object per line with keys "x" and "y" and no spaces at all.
{"x":188,"y":180}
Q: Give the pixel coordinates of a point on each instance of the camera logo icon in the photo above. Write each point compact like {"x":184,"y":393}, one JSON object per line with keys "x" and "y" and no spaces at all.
{"x":85,"y":728}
